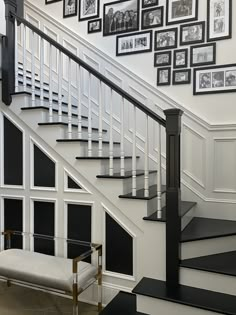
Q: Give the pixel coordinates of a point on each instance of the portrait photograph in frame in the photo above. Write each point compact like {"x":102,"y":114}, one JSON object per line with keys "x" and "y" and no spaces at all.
{"x":215,"y":79}
{"x":181,"y":77}
{"x":192,"y":33}
{"x":51,"y":1}
{"x":88,"y":9}
{"x":69,"y":8}
{"x":149,"y":3}
{"x":134,"y":43}
{"x":166,"y":39}
{"x":162,"y":58}
{"x":163,"y":76}
{"x":203,"y":55}
{"x":120,"y":17}
{"x":219,"y":19}
{"x":180,"y":58}
{"x":94,"y":26}
{"x":181,"y":11}
{"x":152,"y":18}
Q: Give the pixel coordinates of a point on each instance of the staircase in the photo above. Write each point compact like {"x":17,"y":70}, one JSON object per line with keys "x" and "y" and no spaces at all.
{"x":198,"y":276}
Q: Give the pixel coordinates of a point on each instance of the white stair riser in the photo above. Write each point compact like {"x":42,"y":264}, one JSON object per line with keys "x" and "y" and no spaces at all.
{"x":208,"y":280}
{"x":207,"y":247}
{"x":153,"y":306}
{"x":187,"y":218}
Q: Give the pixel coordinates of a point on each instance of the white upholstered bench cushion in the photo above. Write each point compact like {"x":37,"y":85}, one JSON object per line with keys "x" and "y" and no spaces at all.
{"x":49,"y":271}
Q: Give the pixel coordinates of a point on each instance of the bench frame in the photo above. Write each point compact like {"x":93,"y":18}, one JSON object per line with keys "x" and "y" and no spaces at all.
{"x":75,"y":290}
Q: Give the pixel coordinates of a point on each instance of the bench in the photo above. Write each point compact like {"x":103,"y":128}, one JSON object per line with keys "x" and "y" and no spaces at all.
{"x":66,"y":276}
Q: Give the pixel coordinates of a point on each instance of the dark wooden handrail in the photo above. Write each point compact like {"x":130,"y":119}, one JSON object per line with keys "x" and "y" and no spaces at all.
{"x":94,"y":72}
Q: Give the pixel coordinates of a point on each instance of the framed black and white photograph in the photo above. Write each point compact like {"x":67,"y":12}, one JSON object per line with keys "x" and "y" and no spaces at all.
{"x":215,"y":79}
{"x":152,"y":18}
{"x":162,"y":58}
{"x":88,"y":9}
{"x":163,"y":76}
{"x":181,"y":11}
{"x":69,"y":8}
{"x":181,"y":76}
{"x":181,"y":58}
{"x":192,"y":33}
{"x":134,"y":43}
{"x":166,"y":39}
{"x":95,"y":26}
{"x":203,"y":55}
{"x":149,"y":3}
{"x":219,"y":19}
{"x":120,"y":17}
{"x":51,"y":1}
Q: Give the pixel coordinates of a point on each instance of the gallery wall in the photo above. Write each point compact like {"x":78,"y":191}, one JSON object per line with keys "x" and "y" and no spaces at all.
{"x":213,"y":108}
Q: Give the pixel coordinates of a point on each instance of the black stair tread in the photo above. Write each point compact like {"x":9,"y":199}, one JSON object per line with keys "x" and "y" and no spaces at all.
{"x":140,"y":193}
{"x":58,"y":123}
{"x":186,"y":206}
{"x":38,"y":88}
{"x":54,"y":110}
{"x":36,"y":80}
{"x":85,"y":140}
{"x":195,"y":297}
{"x":128,"y":174}
{"x":102,"y":157}
{"x":27,"y":71}
{"x":123,"y":304}
{"x":204,"y":228}
{"x":223,"y":263}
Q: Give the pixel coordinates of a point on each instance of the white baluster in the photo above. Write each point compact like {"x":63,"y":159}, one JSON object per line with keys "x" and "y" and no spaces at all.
{"x":60,"y":86}
{"x":89,"y":118}
{"x":41,"y":70}
{"x":100,"y":119}
{"x":111,"y":166}
{"x":32,"y":69}
{"x":24,"y":57}
{"x":159,"y":181}
{"x":134,"y":184}
{"x":79,"y":81}
{"x":146,"y":161}
{"x":16,"y":58}
{"x":69,"y":102}
{"x":50,"y":85}
{"x":122,"y":150}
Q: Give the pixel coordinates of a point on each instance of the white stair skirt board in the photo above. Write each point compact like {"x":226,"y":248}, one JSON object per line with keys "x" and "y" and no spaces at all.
{"x":208,"y":247}
{"x":154,"y":306}
{"x":187,"y":218}
{"x":208,"y":280}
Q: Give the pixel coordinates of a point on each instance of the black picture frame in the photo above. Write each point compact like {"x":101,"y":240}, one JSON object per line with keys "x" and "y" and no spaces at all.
{"x":51,"y":1}
{"x":96,"y":28}
{"x":94,"y":4}
{"x":181,"y":79}
{"x":166,"y":81}
{"x":73,"y":12}
{"x":137,"y":42}
{"x":192,"y":33}
{"x":205,"y":57}
{"x":149,"y":3}
{"x":207,"y":80}
{"x":180,"y":58}
{"x":164,"y":55}
{"x":110,"y":22}
{"x":157,"y":13}
{"x":159,"y":42}
{"x":219,"y":21}
{"x":183,"y":15}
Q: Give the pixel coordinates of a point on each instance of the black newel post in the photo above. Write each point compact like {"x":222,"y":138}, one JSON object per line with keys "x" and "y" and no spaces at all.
{"x":173,"y":196}
{"x":8,"y":53}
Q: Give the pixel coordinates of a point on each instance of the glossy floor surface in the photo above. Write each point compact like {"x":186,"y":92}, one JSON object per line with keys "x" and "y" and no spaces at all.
{"x":17,"y":300}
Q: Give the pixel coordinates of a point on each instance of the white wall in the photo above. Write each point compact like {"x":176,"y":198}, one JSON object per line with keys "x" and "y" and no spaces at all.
{"x":2,"y":18}
{"x":215,"y":109}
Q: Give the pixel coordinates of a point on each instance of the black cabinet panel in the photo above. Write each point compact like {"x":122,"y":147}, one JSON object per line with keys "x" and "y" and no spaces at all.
{"x":119,"y":248}
{"x":44,"y":169}
{"x":13,"y":220}
{"x":13,"y":154}
{"x":79,"y":228}
{"x":72,"y":184}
